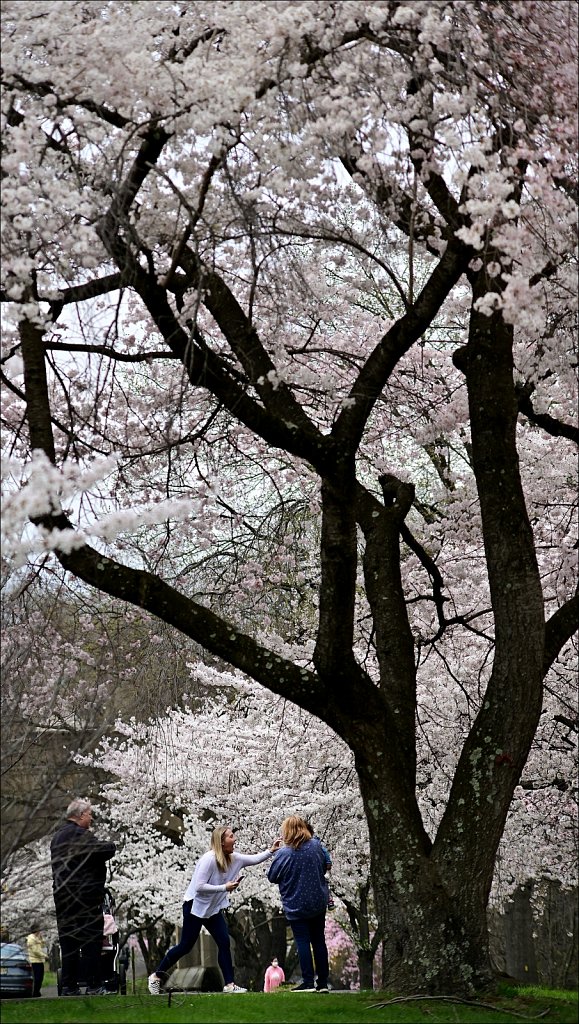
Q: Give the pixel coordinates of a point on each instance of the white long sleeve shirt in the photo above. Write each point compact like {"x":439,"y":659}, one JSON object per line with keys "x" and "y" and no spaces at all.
{"x":207,"y":886}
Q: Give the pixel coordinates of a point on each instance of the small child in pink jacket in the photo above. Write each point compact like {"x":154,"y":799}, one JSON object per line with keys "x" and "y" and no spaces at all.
{"x":274,"y":976}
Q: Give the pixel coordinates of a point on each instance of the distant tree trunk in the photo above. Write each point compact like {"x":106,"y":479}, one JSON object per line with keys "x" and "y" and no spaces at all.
{"x":366,"y":945}
{"x":365,"y":968}
{"x":534,"y":935}
{"x":259,"y":935}
{"x":154,"y":941}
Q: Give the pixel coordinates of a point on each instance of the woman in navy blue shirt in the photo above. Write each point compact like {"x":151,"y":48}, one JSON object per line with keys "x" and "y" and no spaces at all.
{"x":299,"y":869}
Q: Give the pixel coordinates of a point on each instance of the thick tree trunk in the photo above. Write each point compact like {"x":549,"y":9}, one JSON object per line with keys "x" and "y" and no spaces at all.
{"x":434,"y":933}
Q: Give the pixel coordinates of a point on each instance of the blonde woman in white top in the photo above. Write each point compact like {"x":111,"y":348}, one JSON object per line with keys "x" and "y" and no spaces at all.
{"x":216,"y":875}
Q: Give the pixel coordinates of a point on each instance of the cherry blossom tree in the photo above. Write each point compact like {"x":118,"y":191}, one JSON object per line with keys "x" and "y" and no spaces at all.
{"x":289,"y":363}
{"x":245,"y":757}
{"x":155,"y":768}
{"x":229,"y":759}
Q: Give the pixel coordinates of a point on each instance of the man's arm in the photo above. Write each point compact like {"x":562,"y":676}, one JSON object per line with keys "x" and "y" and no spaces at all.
{"x":101,"y":847}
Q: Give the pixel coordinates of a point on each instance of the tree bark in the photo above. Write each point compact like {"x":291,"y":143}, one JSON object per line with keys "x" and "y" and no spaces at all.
{"x":434,"y":939}
{"x":365,"y":967}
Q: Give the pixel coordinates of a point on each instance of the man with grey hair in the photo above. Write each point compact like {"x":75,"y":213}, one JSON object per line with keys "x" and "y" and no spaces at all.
{"x":78,"y":878}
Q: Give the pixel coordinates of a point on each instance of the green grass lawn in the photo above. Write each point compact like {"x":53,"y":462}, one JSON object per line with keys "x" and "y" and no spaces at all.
{"x":283,"y":1007}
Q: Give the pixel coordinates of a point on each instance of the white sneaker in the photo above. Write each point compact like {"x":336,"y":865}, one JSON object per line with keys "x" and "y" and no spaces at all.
{"x":154,"y":984}
{"x":234,"y":988}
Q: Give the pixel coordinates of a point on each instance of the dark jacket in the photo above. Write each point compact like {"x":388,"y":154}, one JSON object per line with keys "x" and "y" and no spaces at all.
{"x":79,"y":867}
{"x":300,"y":876}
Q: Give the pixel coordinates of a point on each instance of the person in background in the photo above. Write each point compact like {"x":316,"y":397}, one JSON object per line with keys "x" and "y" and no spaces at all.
{"x":216,"y":875}
{"x":274,"y":976}
{"x":299,"y":869}
{"x":37,"y":954}
{"x":78,"y":879}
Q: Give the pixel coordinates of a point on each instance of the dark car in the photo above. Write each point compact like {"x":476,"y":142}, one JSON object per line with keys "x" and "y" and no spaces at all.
{"x":16,"y":977}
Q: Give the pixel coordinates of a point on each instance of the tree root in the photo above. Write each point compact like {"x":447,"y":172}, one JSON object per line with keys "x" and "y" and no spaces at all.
{"x":456,"y":999}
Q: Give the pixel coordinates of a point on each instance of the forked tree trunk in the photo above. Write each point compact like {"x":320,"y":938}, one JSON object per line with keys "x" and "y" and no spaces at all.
{"x":435,"y":936}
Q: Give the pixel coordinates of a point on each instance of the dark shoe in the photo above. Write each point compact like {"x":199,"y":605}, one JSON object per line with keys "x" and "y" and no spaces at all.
{"x":100,"y":991}
{"x":322,"y":988}
{"x":71,"y":992}
{"x":303,"y":988}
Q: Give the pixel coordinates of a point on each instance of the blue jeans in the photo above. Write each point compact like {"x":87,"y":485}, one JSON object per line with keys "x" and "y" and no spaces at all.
{"x":192,"y":925}
{"x":309,"y":935}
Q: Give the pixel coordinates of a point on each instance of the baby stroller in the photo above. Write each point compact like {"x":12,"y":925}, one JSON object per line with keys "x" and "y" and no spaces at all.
{"x":114,"y":961}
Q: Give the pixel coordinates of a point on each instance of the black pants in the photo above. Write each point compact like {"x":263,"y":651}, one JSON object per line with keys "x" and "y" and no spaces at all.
{"x":38,"y":972}
{"x":217,"y":928}
{"x":80,"y":928}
